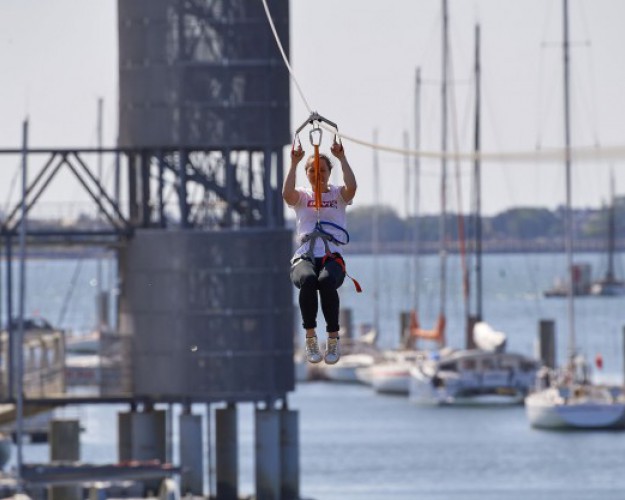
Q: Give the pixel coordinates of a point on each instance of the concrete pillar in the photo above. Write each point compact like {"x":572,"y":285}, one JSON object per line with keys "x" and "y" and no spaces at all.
{"x":124,"y":436}
{"x":65,"y":447}
{"x":226,"y":451}
{"x":547,"y":342}
{"x":289,"y":455}
{"x":267,"y":454}
{"x":191,"y":459}
{"x":143,"y":436}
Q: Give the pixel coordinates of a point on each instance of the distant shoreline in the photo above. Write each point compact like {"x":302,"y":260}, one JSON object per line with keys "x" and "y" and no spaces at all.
{"x":363,"y":248}
{"x":488,"y":247}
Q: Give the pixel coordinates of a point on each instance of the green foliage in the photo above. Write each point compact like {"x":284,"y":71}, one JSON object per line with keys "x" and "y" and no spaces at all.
{"x":523,"y":223}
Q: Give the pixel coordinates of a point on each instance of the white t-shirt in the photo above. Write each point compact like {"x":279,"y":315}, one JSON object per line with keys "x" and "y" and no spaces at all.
{"x":332,"y":210}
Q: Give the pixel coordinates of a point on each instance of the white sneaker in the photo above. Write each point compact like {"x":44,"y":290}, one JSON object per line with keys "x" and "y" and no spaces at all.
{"x":333,"y":351}
{"x":312,"y":350}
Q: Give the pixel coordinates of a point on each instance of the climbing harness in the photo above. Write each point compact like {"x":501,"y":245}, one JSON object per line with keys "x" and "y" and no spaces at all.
{"x":320,"y":233}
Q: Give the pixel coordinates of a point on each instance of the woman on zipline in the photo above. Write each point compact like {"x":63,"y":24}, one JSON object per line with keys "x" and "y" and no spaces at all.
{"x":317,"y":265}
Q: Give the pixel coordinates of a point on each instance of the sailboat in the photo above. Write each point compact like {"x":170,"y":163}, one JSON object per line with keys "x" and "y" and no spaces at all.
{"x":482,"y":373}
{"x":390,"y":373}
{"x":570,"y":400}
{"x":609,"y":286}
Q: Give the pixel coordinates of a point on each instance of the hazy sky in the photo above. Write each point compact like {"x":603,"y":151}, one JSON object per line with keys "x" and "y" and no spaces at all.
{"x":355,"y":61}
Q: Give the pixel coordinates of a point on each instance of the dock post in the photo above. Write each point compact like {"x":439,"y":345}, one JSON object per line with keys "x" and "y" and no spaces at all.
{"x":267,"y":454}
{"x":191,"y":459}
{"x":404,"y":329}
{"x":102,"y":309}
{"x":65,"y":447}
{"x":623,"y":347}
{"x":547,"y":342}
{"x":469,"y":340}
{"x":289,"y":454}
{"x":227,"y":457}
{"x":345,"y":322}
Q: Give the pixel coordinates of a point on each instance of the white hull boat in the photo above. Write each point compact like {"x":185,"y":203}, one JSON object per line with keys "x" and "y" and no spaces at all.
{"x":473,"y":377}
{"x":88,"y":343}
{"x":390,"y":378}
{"x":345,"y":370}
{"x":392,"y":375}
{"x":573,"y":401}
{"x":585,"y":407}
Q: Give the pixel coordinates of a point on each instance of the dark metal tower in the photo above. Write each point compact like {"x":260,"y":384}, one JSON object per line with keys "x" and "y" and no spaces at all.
{"x":205,"y":96}
{"x":203,"y":119}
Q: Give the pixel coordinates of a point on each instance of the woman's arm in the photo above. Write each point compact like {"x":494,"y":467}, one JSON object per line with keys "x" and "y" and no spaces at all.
{"x":289,"y":193}
{"x":348,"y":190}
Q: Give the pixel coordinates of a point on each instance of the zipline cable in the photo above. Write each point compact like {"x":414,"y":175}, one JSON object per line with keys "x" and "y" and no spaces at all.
{"x":284,"y":57}
{"x":548,"y":155}
{"x":583,"y":153}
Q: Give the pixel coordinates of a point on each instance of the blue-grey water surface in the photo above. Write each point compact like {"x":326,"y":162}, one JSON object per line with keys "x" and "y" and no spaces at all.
{"x":355,"y":444}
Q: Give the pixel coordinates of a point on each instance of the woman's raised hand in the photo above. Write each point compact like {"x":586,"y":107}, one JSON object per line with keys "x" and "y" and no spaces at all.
{"x":337,"y":150}
{"x":297,"y":154}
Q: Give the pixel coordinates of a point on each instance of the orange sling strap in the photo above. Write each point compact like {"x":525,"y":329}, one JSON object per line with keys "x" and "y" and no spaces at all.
{"x":318,"y":203}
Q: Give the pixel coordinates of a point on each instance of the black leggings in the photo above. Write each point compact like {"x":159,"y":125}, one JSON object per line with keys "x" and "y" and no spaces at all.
{"x":326,"y":278}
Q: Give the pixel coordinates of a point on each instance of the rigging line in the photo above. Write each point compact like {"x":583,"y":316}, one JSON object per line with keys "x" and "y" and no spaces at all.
{"x":284,"y":57}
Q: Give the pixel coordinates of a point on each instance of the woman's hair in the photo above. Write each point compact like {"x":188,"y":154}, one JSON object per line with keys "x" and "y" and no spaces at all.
{"x":322,"y":156}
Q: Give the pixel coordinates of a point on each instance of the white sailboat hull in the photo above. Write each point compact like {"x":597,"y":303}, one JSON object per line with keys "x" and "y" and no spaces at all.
{"x":431,"y":386}
{"x":423,"y":392}
{"x":547,"y":410}
{"x":607,"y":289}
{"x":345,"y":370}
{"x":390,"y":379}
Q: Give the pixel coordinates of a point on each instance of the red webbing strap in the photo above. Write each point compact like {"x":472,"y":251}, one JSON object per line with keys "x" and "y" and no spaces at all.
{"x":341,"y":262}
{"x":317,"y":179}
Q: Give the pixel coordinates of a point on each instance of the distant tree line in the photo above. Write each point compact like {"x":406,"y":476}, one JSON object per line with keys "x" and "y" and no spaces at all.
{"x":522,"y":224}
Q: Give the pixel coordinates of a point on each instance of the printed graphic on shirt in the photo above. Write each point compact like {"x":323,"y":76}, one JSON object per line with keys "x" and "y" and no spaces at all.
{"x":324,"y":204}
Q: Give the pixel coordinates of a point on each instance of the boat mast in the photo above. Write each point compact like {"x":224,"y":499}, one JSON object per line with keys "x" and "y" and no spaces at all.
{"x":417,"y":192}
{"x":477,"y":174}
{"x":18,"y":346}
{"x":410,"y":285}
{"x":610,"y":278}
{"x":443,"y":187}
{"x":475,"y":217}
{"x":568,"y":218}
{"x":375,"y":237}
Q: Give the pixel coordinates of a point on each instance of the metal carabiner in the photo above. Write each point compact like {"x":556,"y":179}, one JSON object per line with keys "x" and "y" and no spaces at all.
{"x":317,"y":129}
{"x":296,"y":141}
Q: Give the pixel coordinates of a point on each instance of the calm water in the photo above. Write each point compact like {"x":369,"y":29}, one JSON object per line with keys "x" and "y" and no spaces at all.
{"x":355,"y":444}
